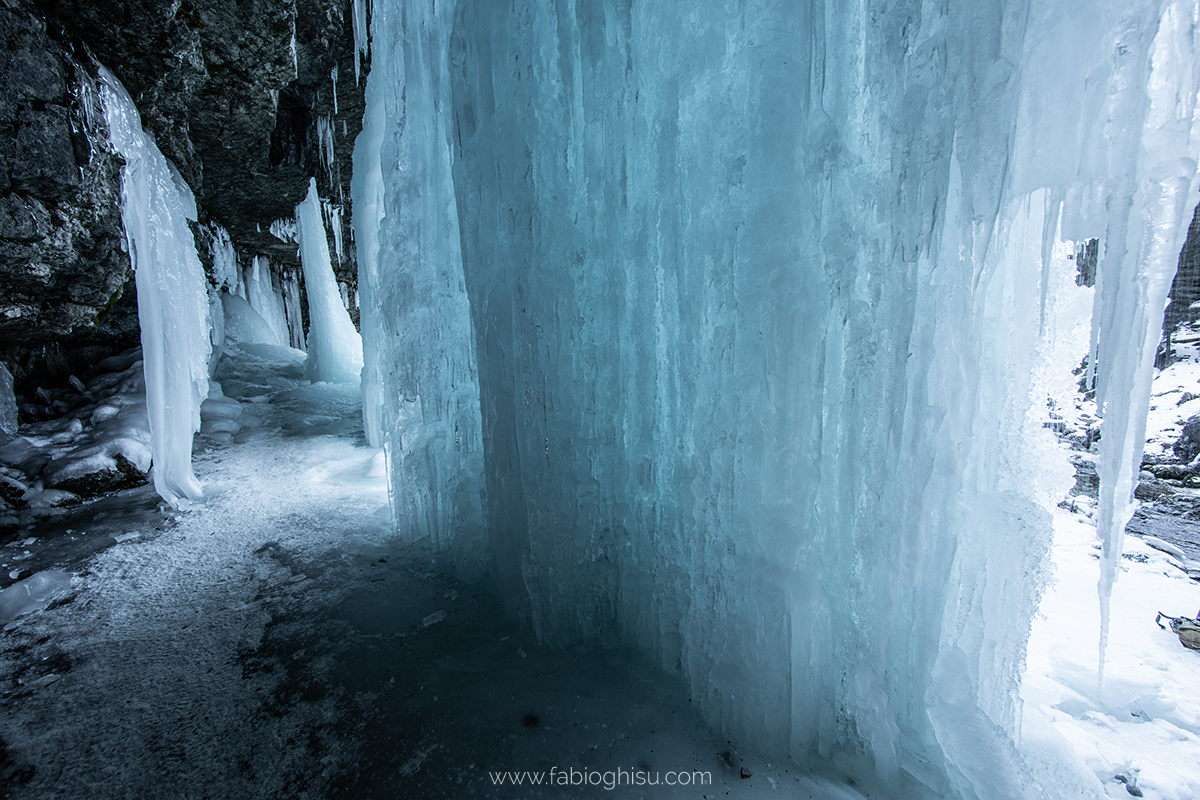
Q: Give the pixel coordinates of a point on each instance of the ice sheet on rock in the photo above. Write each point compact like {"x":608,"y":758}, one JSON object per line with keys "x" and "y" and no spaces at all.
{"x":173,"y":310}
{"x":334,"y":346}
{"x":31,"y":594}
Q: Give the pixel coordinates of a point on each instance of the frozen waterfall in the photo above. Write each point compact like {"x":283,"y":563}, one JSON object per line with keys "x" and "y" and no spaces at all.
{"x":334,"y":346}
{"x":266,"y":298}
{"x":722,"y":330}
{"x":173,"y":304}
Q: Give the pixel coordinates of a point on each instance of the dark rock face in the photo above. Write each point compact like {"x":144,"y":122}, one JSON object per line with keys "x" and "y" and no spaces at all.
{"x":239,"y":94}
{"x":1188,"y":445}
{"x":63,"y":268}
{"x":236,"y":94}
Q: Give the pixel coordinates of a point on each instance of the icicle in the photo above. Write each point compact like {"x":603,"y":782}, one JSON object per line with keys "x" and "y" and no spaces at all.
{"x":284,"y":230}
{"x":328,"y":153}
{"x":334,"y":346}
{"x":295,"y":57}
{"x":333,"y":73}
{"x":1152,"y":206}
{"x":173,"y":310}
{"x":291,"y":308}
{"x":359,"y":24}
{"x":226,"y":274}
{"x":333,"y":218}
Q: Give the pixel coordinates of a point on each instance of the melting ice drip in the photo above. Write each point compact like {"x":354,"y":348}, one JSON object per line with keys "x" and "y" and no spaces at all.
{"x":334,"y":347}
{"x":173,"y":310}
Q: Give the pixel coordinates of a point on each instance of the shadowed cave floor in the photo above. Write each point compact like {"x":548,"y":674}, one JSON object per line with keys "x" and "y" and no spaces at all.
{"x":279,"y":642}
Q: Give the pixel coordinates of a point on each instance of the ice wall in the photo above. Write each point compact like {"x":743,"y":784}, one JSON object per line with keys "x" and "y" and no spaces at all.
{"x":420,"y":396}
{"x":334,"y":346}
{"x":173,"y":304}
{"x":761,"y":300}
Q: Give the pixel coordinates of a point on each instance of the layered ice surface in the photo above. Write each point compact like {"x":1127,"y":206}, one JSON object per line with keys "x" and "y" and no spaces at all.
{"x":173,"y":304}
{"x":732,"y":327}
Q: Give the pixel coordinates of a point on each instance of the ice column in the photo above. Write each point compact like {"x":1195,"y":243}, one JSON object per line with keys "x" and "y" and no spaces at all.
{"x":421,"y":395}
{"x":334,"y":346}
{"x":173,"y":309}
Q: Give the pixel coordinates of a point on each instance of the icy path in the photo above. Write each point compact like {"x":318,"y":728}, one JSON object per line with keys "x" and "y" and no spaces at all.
{"x":277,"y":643}
{"x":1147,"y":717}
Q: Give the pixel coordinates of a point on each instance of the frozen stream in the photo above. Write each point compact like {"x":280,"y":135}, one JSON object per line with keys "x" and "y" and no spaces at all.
{"x":276,"y":642}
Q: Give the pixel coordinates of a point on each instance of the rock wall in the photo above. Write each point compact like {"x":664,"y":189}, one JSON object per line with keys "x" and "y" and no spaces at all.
{"x":239,"y":95}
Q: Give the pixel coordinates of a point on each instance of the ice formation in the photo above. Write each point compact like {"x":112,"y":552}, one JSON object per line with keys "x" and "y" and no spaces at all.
{"x":358,"y":22}
{"x":334,"y":346}
{"x":292,"y":311}
{"x":226,"y":272}
{"x":173,"y":304}
{"x":266,"y":298}
{"x":31,"y":594}
{"x":243,"y":324}
{"x":724,"y":333}
{"x":421,"y":394}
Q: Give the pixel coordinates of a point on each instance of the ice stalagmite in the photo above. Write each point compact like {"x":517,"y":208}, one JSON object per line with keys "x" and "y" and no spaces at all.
{"x":756,"y":301}
{"x":334,"y":346}
{"x":173,"y":306}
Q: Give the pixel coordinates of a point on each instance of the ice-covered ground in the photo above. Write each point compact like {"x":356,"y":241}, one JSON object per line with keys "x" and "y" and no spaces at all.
{"x":1140,"y":732}
{"x":276,"y":641}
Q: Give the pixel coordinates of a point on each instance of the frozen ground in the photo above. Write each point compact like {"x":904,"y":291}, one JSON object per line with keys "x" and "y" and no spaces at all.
{"x":277,"y":642}
{"x":1147,"y":715}
{"x":1140,"y":732}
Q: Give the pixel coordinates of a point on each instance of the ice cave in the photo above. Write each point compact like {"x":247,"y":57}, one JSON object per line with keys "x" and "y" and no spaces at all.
{"x":588,"y":398}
